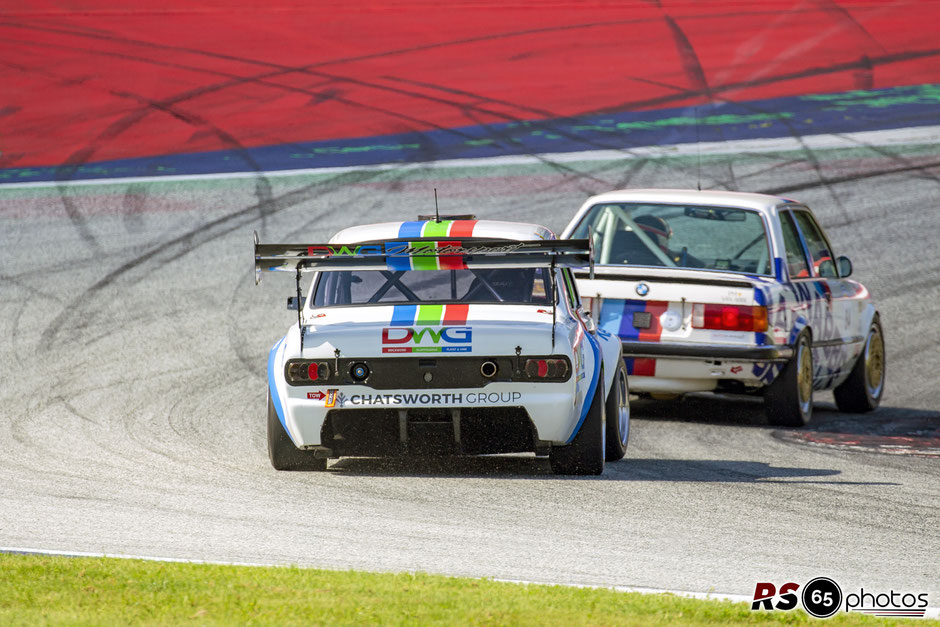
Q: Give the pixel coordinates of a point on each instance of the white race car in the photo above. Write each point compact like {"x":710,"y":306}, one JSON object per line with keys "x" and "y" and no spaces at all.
{"x":443,"y":336}
{"x":730,"y":292}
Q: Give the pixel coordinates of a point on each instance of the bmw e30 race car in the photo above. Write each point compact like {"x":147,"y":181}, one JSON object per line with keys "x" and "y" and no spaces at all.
{"x":442,"y":336}
{"x":730,"y":292}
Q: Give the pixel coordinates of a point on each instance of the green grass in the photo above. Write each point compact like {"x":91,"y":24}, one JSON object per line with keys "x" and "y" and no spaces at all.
{"x":102,"y":591}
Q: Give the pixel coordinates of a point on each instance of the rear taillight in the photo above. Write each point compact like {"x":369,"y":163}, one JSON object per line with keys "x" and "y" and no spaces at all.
{"x":547,"y":369}
{"x":729,"y":317}
{"x":301,"y":371}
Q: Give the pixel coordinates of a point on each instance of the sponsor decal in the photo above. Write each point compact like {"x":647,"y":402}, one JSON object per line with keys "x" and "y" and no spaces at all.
{"x":737,"y":297}
{"x":822,"y":597}
{"x":428,"y":329}
{"x":431,"y":399}
{"x":410,"y":255}
{"x":331,"y":398}
{"x":736,"y":369}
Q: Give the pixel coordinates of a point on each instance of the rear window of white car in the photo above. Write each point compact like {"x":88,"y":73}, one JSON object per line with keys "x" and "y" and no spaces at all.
{"x":728,"y":239}
{"x":503,"y":285}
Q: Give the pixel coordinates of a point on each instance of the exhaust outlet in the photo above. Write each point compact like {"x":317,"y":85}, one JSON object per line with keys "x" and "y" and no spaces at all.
{"x":488,"y":369}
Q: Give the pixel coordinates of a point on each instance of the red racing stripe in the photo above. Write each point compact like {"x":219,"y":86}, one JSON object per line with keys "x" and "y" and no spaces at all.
{"x":452,"y":262}
{"x":455,"y":315}
{"x":655,"y":309}
{"x":462,"y":228}
{"x":644,"y":367}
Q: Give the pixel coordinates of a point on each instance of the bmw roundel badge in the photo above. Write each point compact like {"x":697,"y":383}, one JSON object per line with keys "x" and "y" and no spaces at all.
{"x":642,"y":289}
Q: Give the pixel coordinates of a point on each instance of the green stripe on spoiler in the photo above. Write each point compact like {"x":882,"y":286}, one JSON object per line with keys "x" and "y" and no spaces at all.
{"x":421,"y":253}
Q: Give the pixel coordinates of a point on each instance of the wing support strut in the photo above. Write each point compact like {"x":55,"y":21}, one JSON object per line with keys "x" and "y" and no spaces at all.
{"x":554,"y":303}
{"x":300,"y":306}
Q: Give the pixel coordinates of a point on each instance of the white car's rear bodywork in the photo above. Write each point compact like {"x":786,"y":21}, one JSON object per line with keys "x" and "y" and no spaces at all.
{"x":462,"y":375}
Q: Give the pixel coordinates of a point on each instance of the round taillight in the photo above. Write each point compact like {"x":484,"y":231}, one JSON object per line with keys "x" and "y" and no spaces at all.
{"x":531,"y":368}
{"x":312,"y":371}
{"x":543,"y":368}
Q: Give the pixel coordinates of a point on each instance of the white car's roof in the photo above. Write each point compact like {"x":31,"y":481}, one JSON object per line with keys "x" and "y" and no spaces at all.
{"x":445,"y":228}
{"x":718,"y":198}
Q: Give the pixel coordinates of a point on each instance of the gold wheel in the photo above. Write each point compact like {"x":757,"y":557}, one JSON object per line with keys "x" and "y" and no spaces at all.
{"x":874,"y":362}
{"x":805,"y":377}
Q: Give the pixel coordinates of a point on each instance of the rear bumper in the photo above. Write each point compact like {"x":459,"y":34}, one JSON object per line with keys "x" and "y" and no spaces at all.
{"x":553,"y":408}
{"x":673,"y":350}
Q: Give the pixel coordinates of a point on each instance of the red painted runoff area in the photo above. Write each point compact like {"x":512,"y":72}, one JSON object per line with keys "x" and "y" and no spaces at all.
{"x":94,"y":80}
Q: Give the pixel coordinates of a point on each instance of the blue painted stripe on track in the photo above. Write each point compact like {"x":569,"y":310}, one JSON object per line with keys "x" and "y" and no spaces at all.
{"x":856,"y":111}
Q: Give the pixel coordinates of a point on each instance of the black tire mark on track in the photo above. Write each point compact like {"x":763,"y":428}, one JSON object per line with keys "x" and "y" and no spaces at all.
{"x":107,"y":36}
{"x":316,"y":96}
{"x":851,"y":178}
{"x":205,"y":233}
{"x":134,"y":205}
{"x":633,"y":104}
{"x":696,"y":76}
{"x":834,"y":68}
{"x":814,"y":162}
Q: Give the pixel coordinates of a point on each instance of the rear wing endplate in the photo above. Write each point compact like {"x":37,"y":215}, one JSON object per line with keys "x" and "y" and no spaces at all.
{"x":422,"y":254}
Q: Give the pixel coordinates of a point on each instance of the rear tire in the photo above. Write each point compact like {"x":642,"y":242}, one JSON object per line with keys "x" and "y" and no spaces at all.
{"x":281,"y":450}
{"x":863,"y":390}
{"x":618,"y":416}
{"x":585,"y":454}
{"x":788,"y":401}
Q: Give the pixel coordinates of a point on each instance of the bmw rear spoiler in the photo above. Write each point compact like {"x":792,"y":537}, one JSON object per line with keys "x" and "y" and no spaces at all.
{"x":422,"y":254}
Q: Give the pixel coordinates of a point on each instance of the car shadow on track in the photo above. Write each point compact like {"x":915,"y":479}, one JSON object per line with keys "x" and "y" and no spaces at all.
{"x":628,"y":469}
{"x":746,"y":411}
{"x":887,"y":430}
{"x":723,"y":471}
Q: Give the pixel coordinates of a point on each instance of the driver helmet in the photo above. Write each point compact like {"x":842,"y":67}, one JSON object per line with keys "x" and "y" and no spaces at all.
{"x":657,"y":228}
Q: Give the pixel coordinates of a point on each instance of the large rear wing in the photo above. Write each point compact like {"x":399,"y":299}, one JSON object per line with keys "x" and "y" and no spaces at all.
{"x":422,"y":254}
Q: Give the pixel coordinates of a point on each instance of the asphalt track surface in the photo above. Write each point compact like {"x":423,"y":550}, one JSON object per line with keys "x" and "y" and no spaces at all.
{"x":134,"y":346}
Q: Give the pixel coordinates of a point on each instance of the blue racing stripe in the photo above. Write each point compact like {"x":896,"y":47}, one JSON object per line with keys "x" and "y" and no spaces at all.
{"x":410,"y":230}
{"x":611,"y":315}
{"x":272,"y":387}
{"x":627,"y":331}
{"x":761,"y":300}
{"x":404,"y":315}
{"x":628,"y":362}
{"x":400,"y":262}
{"x":592,"y":388}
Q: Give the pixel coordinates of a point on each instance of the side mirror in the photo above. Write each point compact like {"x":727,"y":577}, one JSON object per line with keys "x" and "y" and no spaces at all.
{"x":292,"y":303}
{"x":827,"y":269}
{"x":845,"y":266}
